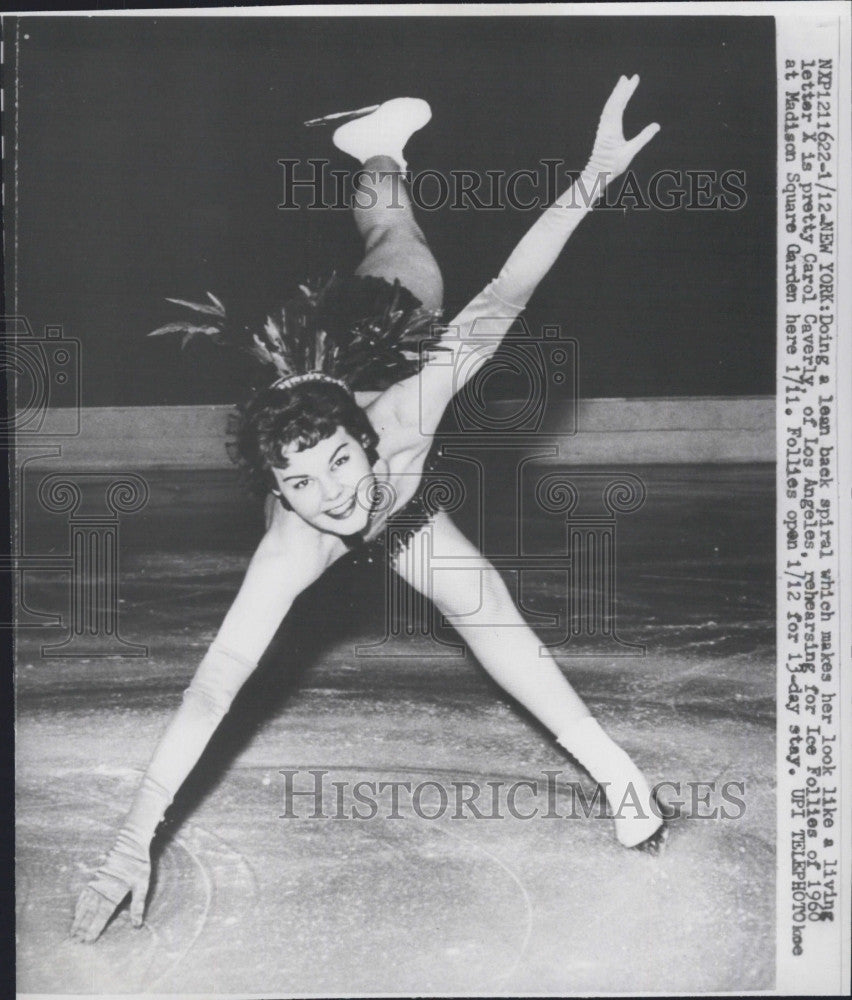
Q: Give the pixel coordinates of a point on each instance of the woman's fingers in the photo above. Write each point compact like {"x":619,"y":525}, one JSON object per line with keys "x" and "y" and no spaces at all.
{"x":611,"y":147}
{"x":91,"y":916}
{"x":86,"y":906}
{"x":127,"y":869}
{"x":621,"y":94}
{"x":81,"y":914}
{"x":616,"y":101}
{"x":137,"y":904}
{"x":644,"y":137}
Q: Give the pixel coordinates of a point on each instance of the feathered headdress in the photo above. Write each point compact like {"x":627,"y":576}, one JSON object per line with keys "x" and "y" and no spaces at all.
{"x":363,"y":333}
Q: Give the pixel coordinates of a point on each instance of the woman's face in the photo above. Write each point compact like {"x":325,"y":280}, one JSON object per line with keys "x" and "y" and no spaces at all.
{"x":328,"y":485}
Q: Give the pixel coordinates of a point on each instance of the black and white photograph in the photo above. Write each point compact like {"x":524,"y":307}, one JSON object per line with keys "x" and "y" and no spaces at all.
{"x":428,"y":506}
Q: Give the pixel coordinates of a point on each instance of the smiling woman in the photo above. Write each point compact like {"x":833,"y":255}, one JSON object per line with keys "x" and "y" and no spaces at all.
{"x":333,"y":466}
{"x":322,"y":484}
{"x":280,"y":423}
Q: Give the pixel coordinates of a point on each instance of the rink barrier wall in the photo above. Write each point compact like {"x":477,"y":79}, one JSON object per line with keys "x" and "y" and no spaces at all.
{"x":672,"y":430}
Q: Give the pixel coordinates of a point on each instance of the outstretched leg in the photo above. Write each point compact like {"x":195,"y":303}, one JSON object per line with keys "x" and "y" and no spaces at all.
{"x":394,"y":245}
{"x":478,"y":604}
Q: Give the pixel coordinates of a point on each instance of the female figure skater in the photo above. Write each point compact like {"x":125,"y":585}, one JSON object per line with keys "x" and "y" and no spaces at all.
{"x":328,"y":459}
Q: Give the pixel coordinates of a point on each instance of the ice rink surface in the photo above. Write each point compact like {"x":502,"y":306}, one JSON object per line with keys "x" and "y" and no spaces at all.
{"x":245,"y":901}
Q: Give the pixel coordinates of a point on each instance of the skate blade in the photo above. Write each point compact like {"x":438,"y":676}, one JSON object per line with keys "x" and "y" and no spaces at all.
{"x":338,"y":115}
{"x":655,"y":844}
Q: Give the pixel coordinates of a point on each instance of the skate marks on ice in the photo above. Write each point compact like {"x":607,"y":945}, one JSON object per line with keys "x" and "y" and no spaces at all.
{"x":471,"y":906}
{"x":325,"y":920}
{"x":200,"y":884}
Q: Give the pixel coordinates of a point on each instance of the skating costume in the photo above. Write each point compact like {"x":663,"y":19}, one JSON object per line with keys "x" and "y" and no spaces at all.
{"x":368,"y":334}
{"x":311,"y":337}
{"x":353,"y":332}
{"x":401,"y":526}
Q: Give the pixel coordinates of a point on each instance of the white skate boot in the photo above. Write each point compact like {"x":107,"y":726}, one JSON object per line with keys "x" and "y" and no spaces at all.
{"x":383,"y":132}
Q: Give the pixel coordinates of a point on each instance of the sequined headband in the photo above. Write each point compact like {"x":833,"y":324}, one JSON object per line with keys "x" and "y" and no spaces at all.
{"x":288,"y":381}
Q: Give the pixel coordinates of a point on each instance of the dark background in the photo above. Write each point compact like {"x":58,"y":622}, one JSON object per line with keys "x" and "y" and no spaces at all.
{"x":147,"y":166}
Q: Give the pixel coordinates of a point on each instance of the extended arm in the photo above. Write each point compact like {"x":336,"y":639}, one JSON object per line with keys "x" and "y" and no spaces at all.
{"x":262,"y":602}
{"x":476,"y":332}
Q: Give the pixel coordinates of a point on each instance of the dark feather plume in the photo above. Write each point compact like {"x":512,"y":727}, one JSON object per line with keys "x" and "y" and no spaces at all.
{"x":365,"y":331}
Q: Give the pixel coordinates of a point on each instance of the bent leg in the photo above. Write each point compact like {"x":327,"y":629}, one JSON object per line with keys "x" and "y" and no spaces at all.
{"x":394,"y":245}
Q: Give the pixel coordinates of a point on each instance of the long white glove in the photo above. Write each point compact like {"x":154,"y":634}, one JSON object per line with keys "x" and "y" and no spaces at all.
{"x":537,"y":251}
{"x":127,"y":868}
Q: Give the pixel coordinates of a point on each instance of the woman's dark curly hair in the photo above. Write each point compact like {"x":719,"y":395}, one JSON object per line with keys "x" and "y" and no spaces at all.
{"x":303,"y":415}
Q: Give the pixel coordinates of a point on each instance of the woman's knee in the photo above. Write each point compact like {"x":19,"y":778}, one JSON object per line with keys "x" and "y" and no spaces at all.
{"x":421,"y":277}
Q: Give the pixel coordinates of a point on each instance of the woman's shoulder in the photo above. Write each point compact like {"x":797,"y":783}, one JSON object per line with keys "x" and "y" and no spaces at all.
{"x":394,"y":415}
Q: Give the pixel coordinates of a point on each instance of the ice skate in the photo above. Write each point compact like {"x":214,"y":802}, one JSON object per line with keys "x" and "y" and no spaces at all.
{"x":385,"y":131}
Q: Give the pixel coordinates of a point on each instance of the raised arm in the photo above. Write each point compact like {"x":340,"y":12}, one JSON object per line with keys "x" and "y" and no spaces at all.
{"x":265,"y":596}
{"x":476,"y":332}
